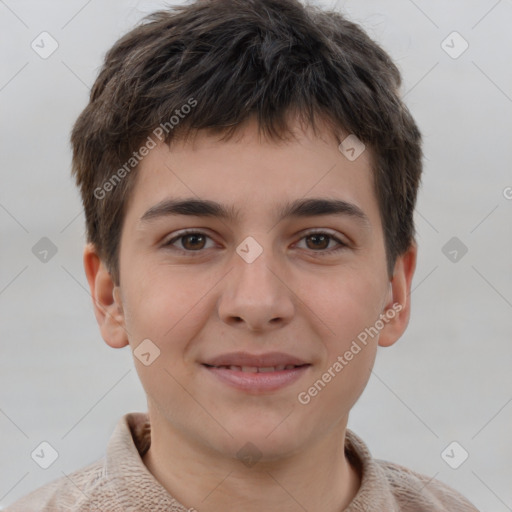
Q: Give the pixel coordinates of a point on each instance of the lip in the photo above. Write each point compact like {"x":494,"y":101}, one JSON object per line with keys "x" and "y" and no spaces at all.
{"x":228,"y":369}
{"x":259,"y":360}
{"x":257,"y":382}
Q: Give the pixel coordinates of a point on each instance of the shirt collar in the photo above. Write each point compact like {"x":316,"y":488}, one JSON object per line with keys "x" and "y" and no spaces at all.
{"x":133,"y":483}
{"x":126,"y":471}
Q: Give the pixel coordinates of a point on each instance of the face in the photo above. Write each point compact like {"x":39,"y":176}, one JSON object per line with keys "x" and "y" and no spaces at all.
{"x":252,"y":298}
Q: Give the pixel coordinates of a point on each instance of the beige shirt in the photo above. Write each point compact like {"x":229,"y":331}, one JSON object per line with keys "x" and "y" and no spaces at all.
{"x":120,"y":482}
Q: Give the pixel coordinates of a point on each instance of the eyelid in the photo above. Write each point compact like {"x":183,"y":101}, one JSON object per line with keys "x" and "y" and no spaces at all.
{"x":335,"y":235}
{"x":340,"y":240}
{"x":179,"y":234}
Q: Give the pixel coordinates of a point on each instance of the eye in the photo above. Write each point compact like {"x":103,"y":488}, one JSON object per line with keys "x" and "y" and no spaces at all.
{"x":196,"y":241}
{"x":319,"y":241}
{"x":191,"y":241}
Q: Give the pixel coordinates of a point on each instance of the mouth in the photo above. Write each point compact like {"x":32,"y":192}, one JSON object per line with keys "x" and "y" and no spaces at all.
{"x":246,"y":360}
{"x":256,"y":369}
{"x":256,"y":374}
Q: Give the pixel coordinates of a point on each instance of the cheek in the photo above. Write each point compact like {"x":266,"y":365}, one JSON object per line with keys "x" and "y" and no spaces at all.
{"x":350,"y":306}
{"x":347,"y":303}
{"x":167,"y":305}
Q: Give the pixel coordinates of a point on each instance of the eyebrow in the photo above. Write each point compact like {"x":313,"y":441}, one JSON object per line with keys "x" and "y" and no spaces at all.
{"x":299,"y":208}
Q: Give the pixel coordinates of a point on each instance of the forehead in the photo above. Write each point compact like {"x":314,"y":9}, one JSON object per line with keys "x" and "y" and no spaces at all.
{"x":250,"y":175}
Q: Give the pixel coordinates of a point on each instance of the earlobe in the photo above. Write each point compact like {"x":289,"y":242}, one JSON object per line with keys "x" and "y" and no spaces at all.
{"x":398,"y":307}
{"x":106,"y":299}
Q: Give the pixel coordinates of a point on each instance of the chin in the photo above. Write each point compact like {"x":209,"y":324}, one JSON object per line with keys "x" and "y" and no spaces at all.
{"x":268,"y":439}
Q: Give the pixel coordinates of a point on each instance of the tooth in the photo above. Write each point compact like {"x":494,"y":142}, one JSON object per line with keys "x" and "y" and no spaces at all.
{"x":280,"y":367}
{"x":236,"y":368}
{"x":252,"y":369}
{"x":266,"y":369}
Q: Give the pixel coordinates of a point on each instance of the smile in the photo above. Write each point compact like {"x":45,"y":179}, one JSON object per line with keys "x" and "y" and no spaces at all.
{"x":255,"y":369}
{"x":257,"y":380}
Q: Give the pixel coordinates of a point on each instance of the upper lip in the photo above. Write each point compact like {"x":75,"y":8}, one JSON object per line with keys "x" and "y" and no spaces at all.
{"x":254,"y":360}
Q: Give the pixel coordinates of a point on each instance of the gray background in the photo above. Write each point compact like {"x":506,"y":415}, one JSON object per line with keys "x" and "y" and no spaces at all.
{"x":448,"y":379}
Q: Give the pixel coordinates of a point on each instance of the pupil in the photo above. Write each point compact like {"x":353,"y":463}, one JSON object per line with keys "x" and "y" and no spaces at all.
{"x":321,"y":238}
{"x":194,"y":239}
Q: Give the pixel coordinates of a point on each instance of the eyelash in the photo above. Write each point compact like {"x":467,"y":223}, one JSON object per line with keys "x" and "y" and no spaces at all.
{"x":342,"y":245}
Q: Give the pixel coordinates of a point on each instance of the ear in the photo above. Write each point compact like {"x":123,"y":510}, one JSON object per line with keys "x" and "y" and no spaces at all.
{"x":106,"y":299}
{"x":398,"y":306}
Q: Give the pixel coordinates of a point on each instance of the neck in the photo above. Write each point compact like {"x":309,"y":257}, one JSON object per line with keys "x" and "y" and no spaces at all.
{"x":319,"y":478}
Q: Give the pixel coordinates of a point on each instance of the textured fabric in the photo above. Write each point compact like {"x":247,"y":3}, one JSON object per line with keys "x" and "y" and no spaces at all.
{"x":120,"y":482}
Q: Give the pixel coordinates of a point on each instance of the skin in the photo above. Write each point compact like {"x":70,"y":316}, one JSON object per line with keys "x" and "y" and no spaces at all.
{"x":208,"y":301}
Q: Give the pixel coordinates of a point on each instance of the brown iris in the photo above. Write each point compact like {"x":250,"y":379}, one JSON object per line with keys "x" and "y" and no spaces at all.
{"x":320,"y":241}
{"x":196,"y":240}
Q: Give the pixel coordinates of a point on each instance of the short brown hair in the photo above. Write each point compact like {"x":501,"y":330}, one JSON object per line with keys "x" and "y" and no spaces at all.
{"x":229,"y":61}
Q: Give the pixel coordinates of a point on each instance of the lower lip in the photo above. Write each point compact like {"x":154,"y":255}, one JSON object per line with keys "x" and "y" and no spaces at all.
{"x":258,"y":382}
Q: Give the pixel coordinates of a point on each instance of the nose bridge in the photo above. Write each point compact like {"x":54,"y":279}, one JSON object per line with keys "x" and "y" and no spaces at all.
{"x":254,"y":263}
{"x":254,"y":294}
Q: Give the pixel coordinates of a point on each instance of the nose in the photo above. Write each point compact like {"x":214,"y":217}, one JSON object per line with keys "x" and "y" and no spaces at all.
{"x":256,"y":296}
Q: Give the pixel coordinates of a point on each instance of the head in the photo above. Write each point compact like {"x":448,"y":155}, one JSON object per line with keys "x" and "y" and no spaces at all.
{"x":244,"y":103}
